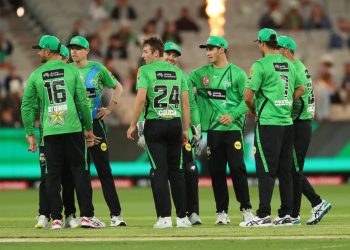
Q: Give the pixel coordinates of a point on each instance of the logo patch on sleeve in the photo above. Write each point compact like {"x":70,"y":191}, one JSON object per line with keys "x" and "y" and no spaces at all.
{"x":166,"y":75}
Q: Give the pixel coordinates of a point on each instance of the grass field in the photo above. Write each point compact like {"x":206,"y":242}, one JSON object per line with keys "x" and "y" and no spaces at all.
{"x":18,"y":215}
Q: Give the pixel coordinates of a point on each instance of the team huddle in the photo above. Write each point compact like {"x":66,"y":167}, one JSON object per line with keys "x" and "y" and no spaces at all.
{"x":170,"y":112}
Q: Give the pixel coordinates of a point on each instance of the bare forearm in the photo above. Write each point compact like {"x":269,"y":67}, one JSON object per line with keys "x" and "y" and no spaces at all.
{"x":117,"y":92}
{"x":299,"y":92}
{"x":185,"y":113}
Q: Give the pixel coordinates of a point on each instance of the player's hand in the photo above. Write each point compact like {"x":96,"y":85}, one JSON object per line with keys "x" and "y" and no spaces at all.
{"x":90,"y":138}
{"x":225,"y":119}
{"x":97,"y":140}
{"x":130,"y":134}
{"x":184,"y":137}
{"x":102,"y":113}
{"x":33,"y":145}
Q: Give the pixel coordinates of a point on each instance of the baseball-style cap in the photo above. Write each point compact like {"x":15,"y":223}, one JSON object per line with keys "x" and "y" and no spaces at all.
{"x":64,"y":51}
{"x":216,"y":41}
{"x":287,"y":43}
{"x":264,"y":35}
{"x":48,"y":42}
{"x":79,"y":41}
{"x":171,"y":46}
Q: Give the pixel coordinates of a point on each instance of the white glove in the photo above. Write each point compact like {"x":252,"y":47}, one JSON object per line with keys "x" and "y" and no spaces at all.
{"x":196,"y":140}
{"x":141,"y":141}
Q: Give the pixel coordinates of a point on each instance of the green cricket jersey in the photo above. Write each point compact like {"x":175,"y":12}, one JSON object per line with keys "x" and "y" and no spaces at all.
{"x":220,"y":91}
{"x":304,"y":107}
{"x":61,"y":93}
{"x":164,"y":83}
{"x":273,"y":78}
{"x":95,"y":76}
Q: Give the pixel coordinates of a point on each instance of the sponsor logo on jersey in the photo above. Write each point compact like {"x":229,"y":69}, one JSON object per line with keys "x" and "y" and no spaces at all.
{"x":283,"y":103}
{"x":91,"y":92}
{"x":218,"y":94}
{"x":166,"y":75}
{"x":103,"y":146}
{"x":188,"y":147}
{"x":281,"y":67}
{"x":205,"y":81}
{"x":237,"y":145}
{"x":51,"y":74}
{"x":167,"y":113}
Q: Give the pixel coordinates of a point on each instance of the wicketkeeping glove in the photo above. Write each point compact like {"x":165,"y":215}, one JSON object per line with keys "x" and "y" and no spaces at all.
{"x":141,"y":141}
{"x":196,"y":140}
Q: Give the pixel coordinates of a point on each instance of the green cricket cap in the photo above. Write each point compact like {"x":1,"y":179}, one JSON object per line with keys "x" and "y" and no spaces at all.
{"x":79,"y":41}
{"x":216,"y":41}
{"x":171,"y":46}
{"x":64,"y":51}
{"x":48,"y":42}
{"x":287,"y":43}
{"x":264,"y":35}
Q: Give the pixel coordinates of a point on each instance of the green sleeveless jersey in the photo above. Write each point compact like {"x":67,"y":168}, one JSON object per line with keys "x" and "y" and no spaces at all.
{"x":164,"y":83}
{"x":62,"y":94}
{"x":273,"y":78}
{"x":220,"y":91}
{"x":96,"y":76}
{"x":304,"y":107}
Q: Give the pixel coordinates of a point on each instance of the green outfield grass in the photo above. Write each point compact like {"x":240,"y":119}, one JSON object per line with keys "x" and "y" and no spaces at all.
{"x":18,"y":212}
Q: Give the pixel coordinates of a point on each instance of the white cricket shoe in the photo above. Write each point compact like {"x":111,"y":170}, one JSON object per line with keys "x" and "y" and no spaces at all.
{"x":91,"y":222}
{"x":43,"y":222}
{"x":247,"y":215}
{"x":117,"y":221}
{"x":57,"y":224}
{"x":183,"y":222}
{"x":71,"y":222}
{"x":163,"y":222}
{"x":222,"y":218}
{"x":194,"y":219}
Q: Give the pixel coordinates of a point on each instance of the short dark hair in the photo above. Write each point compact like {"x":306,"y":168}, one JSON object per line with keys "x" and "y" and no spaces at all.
{"x":272,"y":44}
{"x":155,"y":43}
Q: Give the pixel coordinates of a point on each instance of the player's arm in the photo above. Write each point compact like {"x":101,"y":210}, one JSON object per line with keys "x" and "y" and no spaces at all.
{"x":141,"y":86}
{"x":138,"y":107}
{"x":112,"y":83}
{"x":253,"y":84}
{"x":299,"y":89}
{"x":82,"y":104}
{"x":242,"y":108}
{"x":185,"y":105}
{"x":29,"y":104}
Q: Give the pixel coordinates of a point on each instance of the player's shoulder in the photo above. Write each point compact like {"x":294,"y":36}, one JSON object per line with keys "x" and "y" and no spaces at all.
{"x":96,"y":64}
{"x":236,"y":69}
{"x":201,"y":70}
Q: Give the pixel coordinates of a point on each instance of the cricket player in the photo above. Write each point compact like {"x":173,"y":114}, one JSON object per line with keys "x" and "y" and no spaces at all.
{"x":302,"y":114}
{"x":67,"y":180}
{"x":61,"y":94}
{"x":269,"y":93}
{"x":95,"y":77}
{"x":167,"y":117}
{"x":220,"y":87}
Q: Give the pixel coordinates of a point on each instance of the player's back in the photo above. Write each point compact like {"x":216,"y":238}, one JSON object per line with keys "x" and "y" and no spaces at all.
{"x":164,"y":83}
{"x":56,"y":83}
{"x":275,"y":96}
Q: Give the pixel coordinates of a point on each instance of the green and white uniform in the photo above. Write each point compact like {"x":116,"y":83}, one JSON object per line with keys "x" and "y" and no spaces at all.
{"x":220,"y":91}
{"x":61,"y":93}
